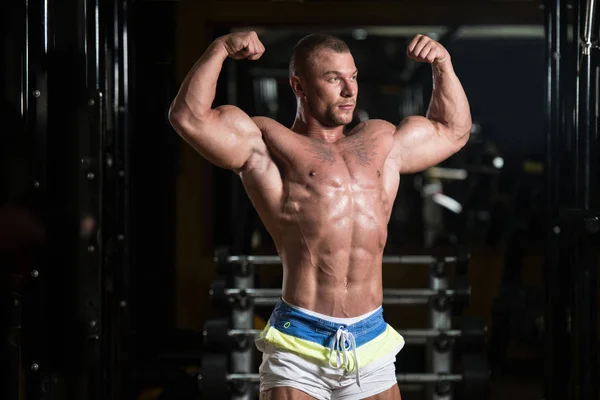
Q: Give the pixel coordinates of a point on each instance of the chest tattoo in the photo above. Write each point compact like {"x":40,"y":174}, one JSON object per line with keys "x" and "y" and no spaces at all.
{"x":361,"y":147}
{"x":322,"y":152}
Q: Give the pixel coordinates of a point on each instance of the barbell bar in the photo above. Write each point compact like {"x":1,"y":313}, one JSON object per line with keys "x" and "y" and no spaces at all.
{"x":406,"y":333}
{"x":275,"y":260}
{"x":215,"y":378}
{"x":225,"y":262}
{"x":271,"y":301}
{"x":221,"y":295}
{"x":401,"y":378}
{"x":427,"y":293}
{"x":217,"y":334}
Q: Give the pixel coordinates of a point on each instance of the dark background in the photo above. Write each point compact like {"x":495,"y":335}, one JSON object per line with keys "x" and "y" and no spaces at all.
{"x":149,"y":290}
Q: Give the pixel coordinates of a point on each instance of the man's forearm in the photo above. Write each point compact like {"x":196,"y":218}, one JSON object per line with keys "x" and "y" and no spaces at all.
{"x":197,"y":92}
{"x":449,"y":105}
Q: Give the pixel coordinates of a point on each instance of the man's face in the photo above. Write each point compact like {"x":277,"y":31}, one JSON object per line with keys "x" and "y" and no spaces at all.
{"x":330,"y":87}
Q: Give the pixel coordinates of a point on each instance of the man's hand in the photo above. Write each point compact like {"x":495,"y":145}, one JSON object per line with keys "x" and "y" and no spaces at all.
{"x":243,"y":45}
{"x":425,"y":49}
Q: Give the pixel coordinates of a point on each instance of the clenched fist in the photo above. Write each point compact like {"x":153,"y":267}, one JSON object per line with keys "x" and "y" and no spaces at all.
{"x":425,"y":49}
{"x":243,"y":45}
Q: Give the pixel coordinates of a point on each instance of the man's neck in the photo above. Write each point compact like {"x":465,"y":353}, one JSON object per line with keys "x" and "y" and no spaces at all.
{"x":312,"y":128}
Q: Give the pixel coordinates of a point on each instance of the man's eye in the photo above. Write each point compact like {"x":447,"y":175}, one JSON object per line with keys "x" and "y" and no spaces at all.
{"x":332,"y":80}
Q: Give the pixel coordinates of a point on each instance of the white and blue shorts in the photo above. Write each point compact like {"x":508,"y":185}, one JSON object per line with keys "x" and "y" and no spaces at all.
{"x":326,"y":357}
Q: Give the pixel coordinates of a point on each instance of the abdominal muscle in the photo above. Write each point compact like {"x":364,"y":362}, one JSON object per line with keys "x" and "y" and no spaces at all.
{"x":331,"y":244}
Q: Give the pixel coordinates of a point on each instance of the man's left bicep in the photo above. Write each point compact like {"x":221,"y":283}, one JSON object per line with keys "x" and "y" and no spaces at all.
{"x":420,"y":143}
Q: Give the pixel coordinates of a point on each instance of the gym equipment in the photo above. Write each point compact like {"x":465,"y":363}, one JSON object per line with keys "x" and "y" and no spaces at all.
{"x":459,"y":303}
{"x":439,"y":274}
{"x":217,"y":334}
{"x":235,"y":290}
{"x":221,"y":295}
{"x":216,"y":382}
{"x":266,"y":260}
{"x":439,"y":351}
{"x":226,"y":262}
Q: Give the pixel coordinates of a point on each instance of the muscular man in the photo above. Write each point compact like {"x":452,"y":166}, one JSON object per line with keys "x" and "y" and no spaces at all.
{"x":325,"y":196}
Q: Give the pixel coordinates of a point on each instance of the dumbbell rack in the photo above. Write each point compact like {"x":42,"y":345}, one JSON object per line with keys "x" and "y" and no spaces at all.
{"x":242,"y":317}
{"x":439,"y":349}
{"x":439,"y":339}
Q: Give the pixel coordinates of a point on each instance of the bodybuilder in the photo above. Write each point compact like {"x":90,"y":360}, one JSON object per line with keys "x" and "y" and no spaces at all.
{"x":325,"y":196}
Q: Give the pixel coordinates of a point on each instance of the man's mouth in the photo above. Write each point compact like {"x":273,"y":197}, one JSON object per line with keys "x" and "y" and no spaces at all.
{"x":348,"y":106}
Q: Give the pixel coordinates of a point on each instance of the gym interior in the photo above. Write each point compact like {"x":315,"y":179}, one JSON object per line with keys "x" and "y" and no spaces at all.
{"x":132,"y":268}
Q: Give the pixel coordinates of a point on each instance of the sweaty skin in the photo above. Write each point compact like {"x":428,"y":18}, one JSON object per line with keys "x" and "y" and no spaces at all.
{"x":325,"y":196}
{"x":327,"y":208}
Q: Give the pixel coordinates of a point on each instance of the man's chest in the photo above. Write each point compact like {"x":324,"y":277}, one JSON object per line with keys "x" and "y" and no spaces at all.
{"x":357,"y":157}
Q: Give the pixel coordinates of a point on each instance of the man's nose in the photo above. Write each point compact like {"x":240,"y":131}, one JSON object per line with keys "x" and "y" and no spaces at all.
{"x":349,"y":89}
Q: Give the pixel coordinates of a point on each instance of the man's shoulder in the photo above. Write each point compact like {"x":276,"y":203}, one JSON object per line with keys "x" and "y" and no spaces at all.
{"x":273,"y":130}
{"x":258,"y":119}
{"x":267,"y":124}
{"x":379,"y":126}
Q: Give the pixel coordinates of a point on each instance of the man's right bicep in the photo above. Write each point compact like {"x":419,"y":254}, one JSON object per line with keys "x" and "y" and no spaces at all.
{"x":225,"y":136}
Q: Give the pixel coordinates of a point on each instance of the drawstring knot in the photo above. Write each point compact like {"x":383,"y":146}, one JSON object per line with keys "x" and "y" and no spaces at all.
{"x":345,"y":341}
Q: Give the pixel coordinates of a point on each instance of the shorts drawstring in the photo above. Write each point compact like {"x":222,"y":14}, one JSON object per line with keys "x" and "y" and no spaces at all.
{"x":344,"y":339}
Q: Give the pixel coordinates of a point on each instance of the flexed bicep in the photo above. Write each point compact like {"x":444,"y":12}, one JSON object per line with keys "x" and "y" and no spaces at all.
{"x":226,"y":135}
{"x":420,"y":143}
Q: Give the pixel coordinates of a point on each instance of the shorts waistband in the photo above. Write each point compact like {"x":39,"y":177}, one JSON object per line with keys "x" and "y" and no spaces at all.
{"x":337,"y":320}
{"x":294,"y":322}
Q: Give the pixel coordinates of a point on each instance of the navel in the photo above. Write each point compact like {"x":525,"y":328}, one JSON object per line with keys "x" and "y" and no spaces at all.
{"x":312,"y":174}
{"x":345,"y":282}
{"x":378,"y":174}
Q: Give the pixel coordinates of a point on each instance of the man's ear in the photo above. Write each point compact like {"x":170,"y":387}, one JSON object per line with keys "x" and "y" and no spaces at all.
{"x":296,"y":84}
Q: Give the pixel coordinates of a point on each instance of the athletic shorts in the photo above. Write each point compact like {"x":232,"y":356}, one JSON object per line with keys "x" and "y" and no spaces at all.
{"x":326,"y":357}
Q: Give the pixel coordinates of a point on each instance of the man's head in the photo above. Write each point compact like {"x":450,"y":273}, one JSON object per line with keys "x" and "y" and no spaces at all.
{"x":323,"y":78}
